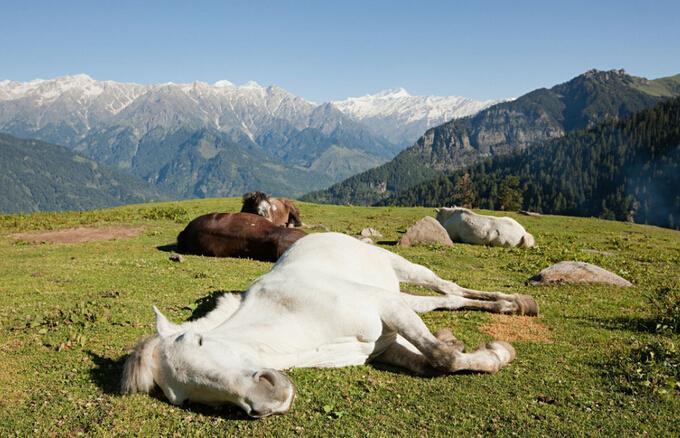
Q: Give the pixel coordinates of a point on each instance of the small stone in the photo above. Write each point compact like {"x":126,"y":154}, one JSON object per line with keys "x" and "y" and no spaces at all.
{"x":577,"y":272}
{"x":176,"y":257}
{"x":425,"y":232}
{"x":370,"y":232}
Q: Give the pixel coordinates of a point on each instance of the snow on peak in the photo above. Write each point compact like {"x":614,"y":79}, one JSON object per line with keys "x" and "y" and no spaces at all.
{"x":391,"y":93}
{"x":252,"y":85}
{"x":223,"y":84}
{"x":407,"y":116}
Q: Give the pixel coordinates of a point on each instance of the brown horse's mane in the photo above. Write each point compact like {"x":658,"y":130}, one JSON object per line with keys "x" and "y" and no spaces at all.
{"x":251,"y":200}
{"x":285,"y":212}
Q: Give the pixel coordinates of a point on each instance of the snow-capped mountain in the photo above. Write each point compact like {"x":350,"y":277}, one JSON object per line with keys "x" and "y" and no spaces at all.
{"x":403,"y":118}
{"x":81,"y":104}
{"x":284,"y":143}
{"x":200,"y":139}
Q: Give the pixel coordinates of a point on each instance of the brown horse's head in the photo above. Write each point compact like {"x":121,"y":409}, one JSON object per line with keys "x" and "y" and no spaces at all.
{"x":257,"y":203}
{"x":282,"y":212}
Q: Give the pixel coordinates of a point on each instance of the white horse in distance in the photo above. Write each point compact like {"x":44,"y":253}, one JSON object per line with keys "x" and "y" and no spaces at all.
{"x":330,"y":301}
{"x":466,"y":226}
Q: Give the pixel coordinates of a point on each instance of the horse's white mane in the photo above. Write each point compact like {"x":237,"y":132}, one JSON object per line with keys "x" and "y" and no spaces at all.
{"x":139,"y":367}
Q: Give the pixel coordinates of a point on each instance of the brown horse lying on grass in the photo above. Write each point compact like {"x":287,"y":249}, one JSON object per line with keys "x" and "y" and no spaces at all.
{"x":280,"y":211}
{"x":242,"y":235}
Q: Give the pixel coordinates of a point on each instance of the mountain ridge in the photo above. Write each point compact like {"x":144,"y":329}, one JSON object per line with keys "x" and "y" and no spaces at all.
{"x":539,"y":115}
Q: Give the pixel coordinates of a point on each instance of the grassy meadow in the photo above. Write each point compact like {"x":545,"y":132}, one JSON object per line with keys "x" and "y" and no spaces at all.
{"x":70,"y":312}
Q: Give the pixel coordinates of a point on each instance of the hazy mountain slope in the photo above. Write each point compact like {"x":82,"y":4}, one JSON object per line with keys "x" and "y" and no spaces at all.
{"x":402,"y":118}
{"x":138,"y":128}
{"x":628,"y":169}
{"x":540,"y":115}
{"x":40,"y":176}
{"x":209,"y":164}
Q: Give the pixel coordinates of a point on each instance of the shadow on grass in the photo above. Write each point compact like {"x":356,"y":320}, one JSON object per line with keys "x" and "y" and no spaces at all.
{"x":107,"y":372}
{"x":207,"y":303}
{"x":170,"y":247}
{"x":627,"y":323}
{"x":387,"y":242}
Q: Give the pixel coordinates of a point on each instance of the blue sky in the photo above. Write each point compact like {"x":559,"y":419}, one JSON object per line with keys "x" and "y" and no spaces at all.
{"x":325,"y":50}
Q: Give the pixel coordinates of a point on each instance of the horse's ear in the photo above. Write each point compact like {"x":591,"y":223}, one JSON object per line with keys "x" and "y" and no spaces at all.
{"x":163,"y":326}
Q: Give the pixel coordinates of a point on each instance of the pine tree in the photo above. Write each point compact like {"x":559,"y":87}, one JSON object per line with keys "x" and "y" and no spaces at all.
{"x":510,"y":194}
{"x":464,"y":192}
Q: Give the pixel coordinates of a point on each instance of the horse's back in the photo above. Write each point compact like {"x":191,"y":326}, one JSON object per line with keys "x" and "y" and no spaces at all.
{"x":339,"y":256}
{"x":229,"y":235}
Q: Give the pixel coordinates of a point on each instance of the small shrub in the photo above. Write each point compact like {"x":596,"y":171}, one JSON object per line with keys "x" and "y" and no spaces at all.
{"x":173,"y":213}
{"x":648,"y":367}
{"x":666,"y":307}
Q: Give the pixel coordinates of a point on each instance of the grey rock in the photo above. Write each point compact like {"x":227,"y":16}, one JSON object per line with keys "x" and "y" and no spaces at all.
{"x":577,"y":272}
{"x":370,"y":232}
{"x":176,"y":258}
{"x":426,"y":231}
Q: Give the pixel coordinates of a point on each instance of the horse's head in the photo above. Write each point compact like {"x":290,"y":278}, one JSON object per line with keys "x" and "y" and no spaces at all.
{"x":444,"y":213}
{"x":257,"y":203}
{"x":527,"y":241}
{"x":203,"y":369}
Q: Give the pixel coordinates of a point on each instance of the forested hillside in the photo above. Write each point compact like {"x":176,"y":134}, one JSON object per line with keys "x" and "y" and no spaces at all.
{"x":543,"y":114}
{"x":625,"y":170}
{"x":38,"y":176}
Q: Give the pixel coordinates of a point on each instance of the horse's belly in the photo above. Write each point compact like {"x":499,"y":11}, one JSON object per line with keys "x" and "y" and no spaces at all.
{"x":341,"y":353}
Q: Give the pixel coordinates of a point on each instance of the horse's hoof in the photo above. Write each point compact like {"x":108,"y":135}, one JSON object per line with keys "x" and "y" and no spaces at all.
{"x":526,"y":305}
{"x":505,"y":352}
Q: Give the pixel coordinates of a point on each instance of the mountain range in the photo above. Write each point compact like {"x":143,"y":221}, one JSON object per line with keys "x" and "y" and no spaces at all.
{"x":199,"y":139}
{"x":543,"y":114}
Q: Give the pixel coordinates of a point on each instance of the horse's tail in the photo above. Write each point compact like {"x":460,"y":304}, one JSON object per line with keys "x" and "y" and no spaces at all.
{"x":139,"y":367}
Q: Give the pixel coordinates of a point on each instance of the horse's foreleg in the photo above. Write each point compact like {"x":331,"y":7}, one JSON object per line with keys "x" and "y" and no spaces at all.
{"x":421,"y":304}
{"x":403,"y":354}
{"x":442,"y":355}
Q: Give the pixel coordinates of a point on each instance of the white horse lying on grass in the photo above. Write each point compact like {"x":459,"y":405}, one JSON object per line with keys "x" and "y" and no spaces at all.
{"x":466,"y":226}
{"x":330,"y":301}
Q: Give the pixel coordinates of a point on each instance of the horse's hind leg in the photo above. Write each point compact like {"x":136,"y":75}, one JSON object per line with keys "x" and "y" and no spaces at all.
{"x":442,"y":355}
{"x":413,"y":273}
{"x":422,"y":304}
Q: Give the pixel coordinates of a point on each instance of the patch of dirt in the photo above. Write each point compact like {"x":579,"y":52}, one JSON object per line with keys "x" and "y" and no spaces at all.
{"x":517,"y":328}
{"x":79,"y":234}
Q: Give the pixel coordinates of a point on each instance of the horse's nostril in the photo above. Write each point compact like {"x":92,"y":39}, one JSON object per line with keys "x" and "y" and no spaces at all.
{"x":200,"y":341}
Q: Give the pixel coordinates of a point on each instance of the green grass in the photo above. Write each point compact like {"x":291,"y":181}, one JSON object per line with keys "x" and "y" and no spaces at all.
{"x":69,"y":313}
